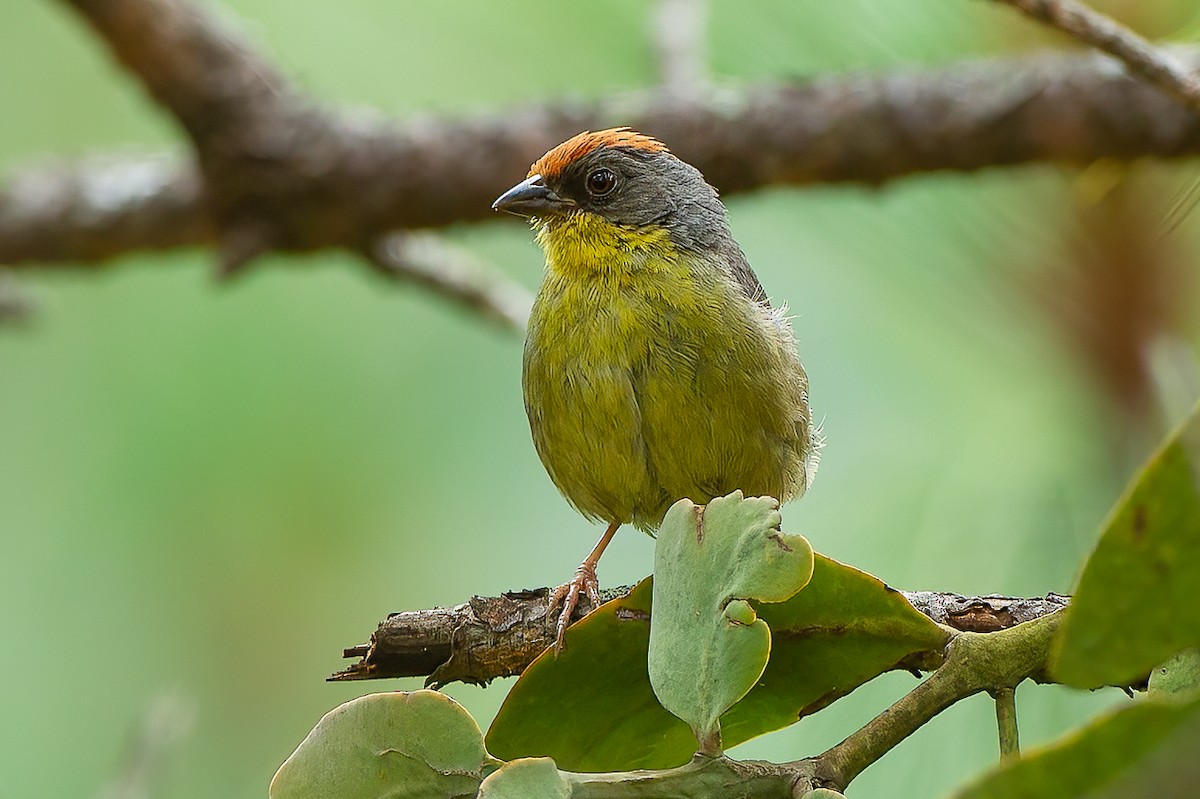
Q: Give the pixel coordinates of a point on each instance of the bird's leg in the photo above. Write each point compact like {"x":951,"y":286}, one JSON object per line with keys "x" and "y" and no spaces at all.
{"x":584,"y":582}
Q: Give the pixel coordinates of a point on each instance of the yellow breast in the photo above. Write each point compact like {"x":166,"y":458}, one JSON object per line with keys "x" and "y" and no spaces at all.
{"x":650,"y":376}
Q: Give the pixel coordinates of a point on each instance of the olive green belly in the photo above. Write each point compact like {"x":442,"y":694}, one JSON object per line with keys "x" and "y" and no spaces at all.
{"x":629,"y":418}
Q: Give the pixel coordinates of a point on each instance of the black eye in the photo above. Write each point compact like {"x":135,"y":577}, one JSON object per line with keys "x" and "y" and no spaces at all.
{"x":601,"y":182}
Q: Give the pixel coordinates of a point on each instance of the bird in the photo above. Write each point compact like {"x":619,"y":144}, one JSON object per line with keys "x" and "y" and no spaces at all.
{"x":655,"y":368}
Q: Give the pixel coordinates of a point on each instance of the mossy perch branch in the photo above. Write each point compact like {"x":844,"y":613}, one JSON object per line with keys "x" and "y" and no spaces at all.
{"x":490,"y":637}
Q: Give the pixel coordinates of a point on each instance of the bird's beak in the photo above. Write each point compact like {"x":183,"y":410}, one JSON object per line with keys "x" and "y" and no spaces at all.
{"x":531,"y":197}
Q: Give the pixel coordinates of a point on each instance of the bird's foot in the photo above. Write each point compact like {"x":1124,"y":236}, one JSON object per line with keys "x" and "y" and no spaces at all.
{"x":567,"y":596}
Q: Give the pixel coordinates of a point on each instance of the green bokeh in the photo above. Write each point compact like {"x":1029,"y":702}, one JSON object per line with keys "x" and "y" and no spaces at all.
{"x":207,"y":490}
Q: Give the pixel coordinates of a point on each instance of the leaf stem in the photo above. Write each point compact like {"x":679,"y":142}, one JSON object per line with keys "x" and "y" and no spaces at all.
{"x":703,"y":776}
{"x":1006,"y":723}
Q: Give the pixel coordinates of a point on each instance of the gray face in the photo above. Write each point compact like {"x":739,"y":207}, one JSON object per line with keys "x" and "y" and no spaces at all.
{"x":633,"y":187}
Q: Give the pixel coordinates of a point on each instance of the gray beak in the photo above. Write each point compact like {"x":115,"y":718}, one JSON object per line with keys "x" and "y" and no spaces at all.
{"x":531,"y":197}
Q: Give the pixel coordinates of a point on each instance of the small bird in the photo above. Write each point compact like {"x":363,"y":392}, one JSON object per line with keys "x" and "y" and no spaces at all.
{"x":655,"y":368}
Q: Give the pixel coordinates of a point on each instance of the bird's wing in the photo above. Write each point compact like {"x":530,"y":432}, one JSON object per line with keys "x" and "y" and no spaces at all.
{"x":740,"y":269}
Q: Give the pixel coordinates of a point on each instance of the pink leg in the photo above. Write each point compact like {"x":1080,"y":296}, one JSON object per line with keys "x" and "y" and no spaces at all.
{"x":584,"y":582}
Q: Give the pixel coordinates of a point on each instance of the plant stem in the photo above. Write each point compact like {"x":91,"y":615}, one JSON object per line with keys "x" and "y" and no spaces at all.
{"x":1006,"y":723}
{"x":974,"y":662}
{"x":703,"y":776}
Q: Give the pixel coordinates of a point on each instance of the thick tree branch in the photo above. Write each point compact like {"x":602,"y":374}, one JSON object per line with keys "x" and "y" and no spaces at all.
{"x":96,"y":209}
{"x":1140,"y":56}
{"x":276,"y":172}
{"x":196,"y":65}
{"x":490,"y":637}
{"x":273,"y":170}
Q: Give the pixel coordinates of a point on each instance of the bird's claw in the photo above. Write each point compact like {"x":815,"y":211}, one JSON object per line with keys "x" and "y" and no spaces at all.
{"x":567,"y":596}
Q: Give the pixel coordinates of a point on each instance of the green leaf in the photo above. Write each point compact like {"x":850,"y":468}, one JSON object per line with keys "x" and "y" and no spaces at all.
{"x":1135,"y":605}
{"x":1147,"y":751}
{"x":1178,"y":678}
{"x":527,"y":778}
{"x":419,"y":745}
{"x":592,"y":708}
{"x":707,"y":646}
{"x":845,"y":628}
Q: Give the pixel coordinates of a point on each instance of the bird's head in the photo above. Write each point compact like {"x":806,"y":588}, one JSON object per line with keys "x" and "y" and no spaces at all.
{"x":616,"y":189}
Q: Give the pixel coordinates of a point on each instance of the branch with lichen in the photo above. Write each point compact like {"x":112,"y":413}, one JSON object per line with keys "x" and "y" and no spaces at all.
{"x":273,"y":170}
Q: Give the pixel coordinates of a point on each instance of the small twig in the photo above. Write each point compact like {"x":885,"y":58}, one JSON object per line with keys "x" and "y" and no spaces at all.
{"x":1104,"y":33}
{"x":678,"y":30}
{"x":430,"y":261}
{"x":1006,"y":722}
{"x":16,"y":305}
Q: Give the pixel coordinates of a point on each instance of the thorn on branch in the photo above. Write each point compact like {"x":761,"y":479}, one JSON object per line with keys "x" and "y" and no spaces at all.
{"x":430,"y":261}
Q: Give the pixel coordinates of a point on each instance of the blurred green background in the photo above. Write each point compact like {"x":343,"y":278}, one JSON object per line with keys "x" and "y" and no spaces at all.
{"x":207,"y":490}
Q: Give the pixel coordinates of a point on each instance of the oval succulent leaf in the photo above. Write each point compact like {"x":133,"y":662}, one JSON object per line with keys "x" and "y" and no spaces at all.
{"x":525,"y":779}
{"x":707,"y":646}
{"x":843,"y":629}
{"x":1135,"y":605}
{"x":1178,"y":678}
{"x":1147,"y":751}
{"x":418,"y":745}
